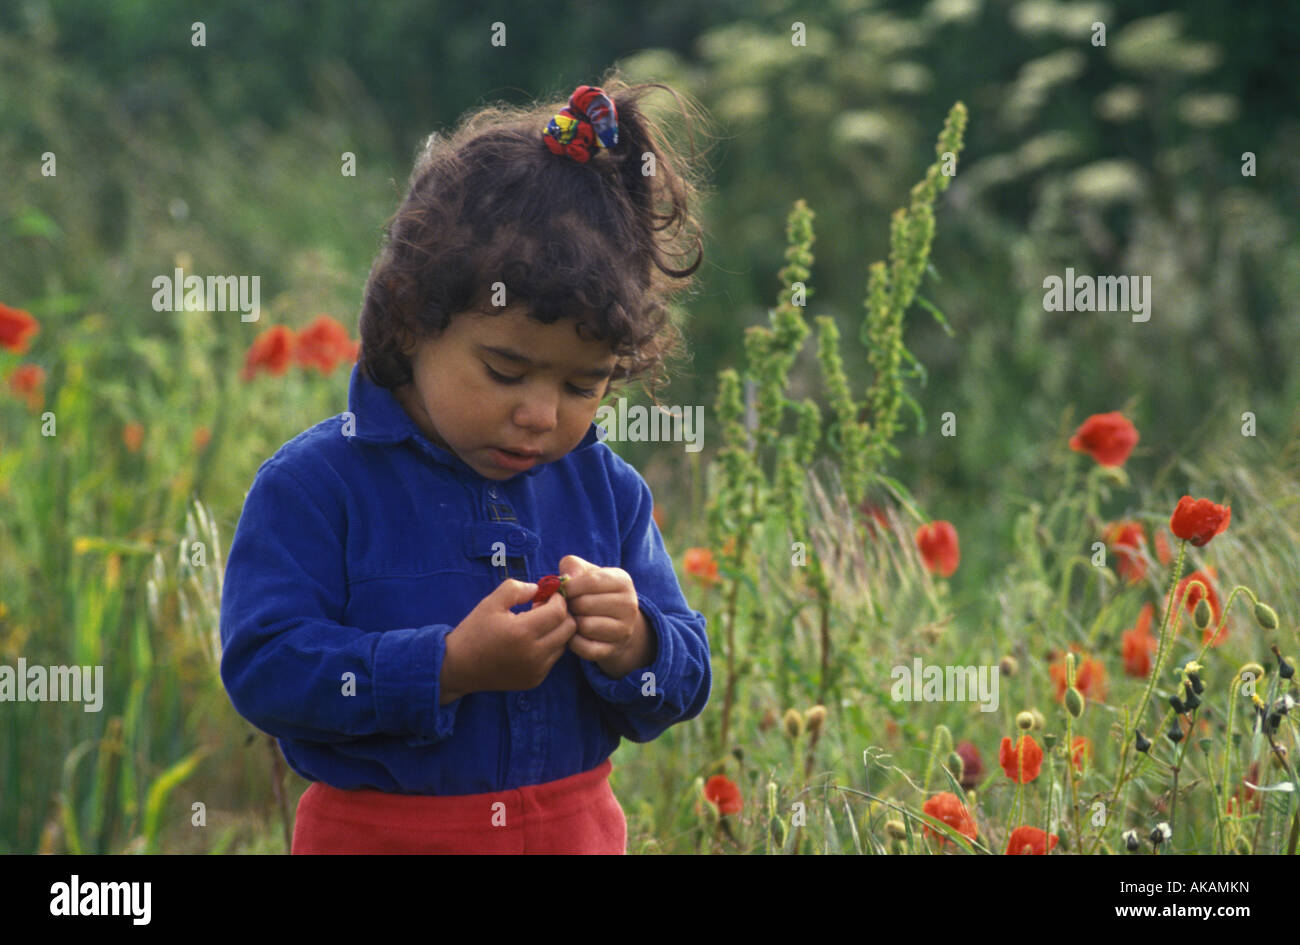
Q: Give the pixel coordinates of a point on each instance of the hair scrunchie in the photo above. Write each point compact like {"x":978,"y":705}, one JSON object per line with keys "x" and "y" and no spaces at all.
{"x":588,"y":123}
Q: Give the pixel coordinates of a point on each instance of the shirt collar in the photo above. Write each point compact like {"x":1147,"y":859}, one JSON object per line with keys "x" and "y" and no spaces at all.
{"x":381,"y":419}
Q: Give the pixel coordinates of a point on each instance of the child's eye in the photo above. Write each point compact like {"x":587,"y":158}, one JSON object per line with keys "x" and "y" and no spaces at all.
{"x":504,"y":379}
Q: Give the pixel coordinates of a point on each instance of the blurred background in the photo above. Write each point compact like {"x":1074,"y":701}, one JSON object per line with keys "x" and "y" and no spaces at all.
{"x":1123,"y":158}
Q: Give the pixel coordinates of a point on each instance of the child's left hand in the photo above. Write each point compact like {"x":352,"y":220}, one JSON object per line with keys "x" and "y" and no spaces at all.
{"x":612,"y":630}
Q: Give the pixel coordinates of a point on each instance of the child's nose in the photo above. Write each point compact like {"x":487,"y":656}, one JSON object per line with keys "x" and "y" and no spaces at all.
{"x":539,"y":412}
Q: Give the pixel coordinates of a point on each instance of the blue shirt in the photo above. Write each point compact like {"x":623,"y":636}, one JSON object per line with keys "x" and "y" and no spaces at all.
{"x":356,"y":555}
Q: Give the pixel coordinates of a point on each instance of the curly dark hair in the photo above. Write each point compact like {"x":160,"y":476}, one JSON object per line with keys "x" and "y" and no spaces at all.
{"x":490,"y":204}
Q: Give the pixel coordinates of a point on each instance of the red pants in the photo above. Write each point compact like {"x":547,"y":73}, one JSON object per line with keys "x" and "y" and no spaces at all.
{"x":577,"y":814}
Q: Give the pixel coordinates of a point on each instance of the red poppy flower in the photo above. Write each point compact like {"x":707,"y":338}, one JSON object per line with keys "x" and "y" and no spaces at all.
{"x":271,"y":351}
{"x":947,"y":807}
{"x":1137,"y":645}
{"x":16,"y":329}
{"x":699,"y":564}
{"x":547,"y":586}
{"x":1031,"y":840}
{"x":1163,"y":554}
{"x":1127,"y":539}
{"x":972,"y":765}
{"x":1238,"y":801}
{"x":724,"y":794}
{"x":1023,"y":762}
{"x":202,"y":437}
{"x":1107,"y":437}
{"x":1089,"y":677}
{"x":937,"y":543}
{"x":323,"y":344}
{"x":1199,"y":520}
{"x":26,"y":381}
{"x":1193,"y":597}
{"x":1081,"y":753}
{"x":874,"y":517}
{"x":133,"y":436}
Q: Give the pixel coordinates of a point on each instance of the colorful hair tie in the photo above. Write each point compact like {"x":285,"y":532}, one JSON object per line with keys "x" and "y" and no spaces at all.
{"x":588,"y":123}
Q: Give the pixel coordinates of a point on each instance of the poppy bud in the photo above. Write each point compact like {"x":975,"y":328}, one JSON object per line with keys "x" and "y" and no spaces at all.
{"x":1177,"y":704}
{"x":1284,"y":669}
{"x":1265,"y":616}
{"x":1074,"y":702}
{"x":1202,"y":614}
{"x":1253,"y":670}
{"x":1025,"y":721}
{"x":1205,"y":744}
{"x":793,"y":723}
{"x":1114,"y":474}
{"x":815,"y":717}
{"x":1008,"y":666}
{"x":1190,"y":700}
{"x":956,"y":766}
{"x":1141,"y":742}
{"x":1175,"y":733}
{"x":1131,"y":840}
{"x":896,"y":829}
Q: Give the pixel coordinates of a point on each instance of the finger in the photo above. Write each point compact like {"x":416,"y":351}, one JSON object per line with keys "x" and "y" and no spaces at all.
{"x":600,"y":581}
{"x":618,"y":604}
{"x":560,"y":633}
{"x":591,"y":649}
{"x":512,"y":593}
{"x":602,"y":630}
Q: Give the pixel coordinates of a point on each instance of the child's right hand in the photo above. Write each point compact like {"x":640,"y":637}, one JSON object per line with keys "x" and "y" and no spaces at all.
{"x":496,"y":649}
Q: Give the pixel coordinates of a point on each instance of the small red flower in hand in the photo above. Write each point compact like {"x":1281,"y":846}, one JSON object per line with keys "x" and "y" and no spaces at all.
{"x":547,"y":586}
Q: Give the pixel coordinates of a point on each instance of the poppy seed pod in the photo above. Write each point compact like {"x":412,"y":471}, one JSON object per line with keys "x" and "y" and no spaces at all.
{"x":1040,"y":723}
{"x":1191,"y":700}
{"x":1202,"y":615}
{"x":1175,"y":733}
{"x":1074,"y":702}
{"x":1265,"y":616}
{"x":793,"y":723}
{"x":1161,"y":833}
{"x":1049,"y":740}
{"x":1177,"y":705}
{"x":1024,"y":721}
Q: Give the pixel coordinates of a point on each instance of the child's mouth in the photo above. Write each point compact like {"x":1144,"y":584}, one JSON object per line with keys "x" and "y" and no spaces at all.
{"x":513,"y":460}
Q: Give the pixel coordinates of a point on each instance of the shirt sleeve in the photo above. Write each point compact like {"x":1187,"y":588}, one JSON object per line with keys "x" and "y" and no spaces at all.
{"x":290,"y":665}
{"x":675,"y":686}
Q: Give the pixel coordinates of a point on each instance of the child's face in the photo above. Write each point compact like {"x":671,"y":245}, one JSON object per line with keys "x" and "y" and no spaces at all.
{"x":458,"y":405}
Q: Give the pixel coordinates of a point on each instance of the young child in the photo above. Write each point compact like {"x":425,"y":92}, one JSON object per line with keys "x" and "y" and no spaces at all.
{"x":371,"y":617}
